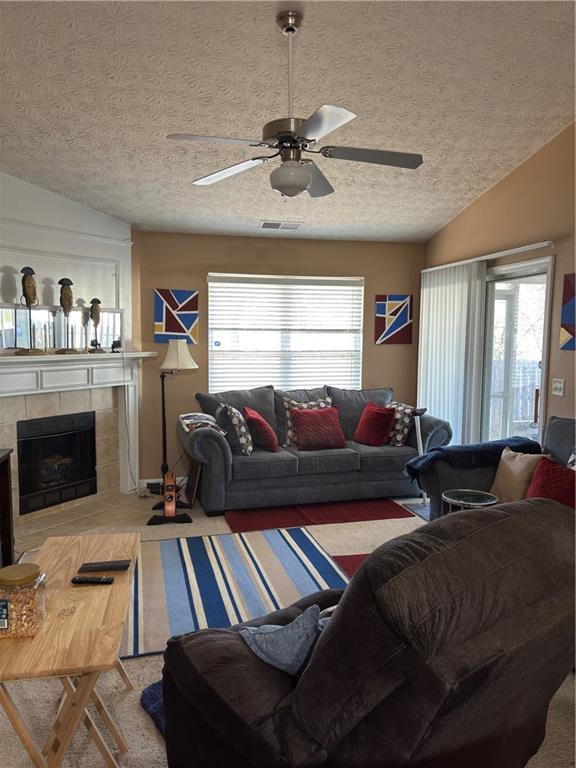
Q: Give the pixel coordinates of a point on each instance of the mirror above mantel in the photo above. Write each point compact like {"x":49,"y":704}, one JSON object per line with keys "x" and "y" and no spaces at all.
{"x":48,"y":328}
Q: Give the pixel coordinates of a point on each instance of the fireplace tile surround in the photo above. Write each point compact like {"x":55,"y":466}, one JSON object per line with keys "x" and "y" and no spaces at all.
{"x":45,"y":386}
{"x":104,"y":402}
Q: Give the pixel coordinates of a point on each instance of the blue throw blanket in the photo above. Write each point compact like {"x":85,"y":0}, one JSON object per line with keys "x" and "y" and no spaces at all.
{"x":471,"y":456}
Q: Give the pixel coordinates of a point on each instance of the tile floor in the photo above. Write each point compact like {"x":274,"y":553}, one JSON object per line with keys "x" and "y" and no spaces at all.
{"x":115,"y":510}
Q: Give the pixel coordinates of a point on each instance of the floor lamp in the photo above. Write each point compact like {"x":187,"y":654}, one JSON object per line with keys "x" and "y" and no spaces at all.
{"x":178,"y":358}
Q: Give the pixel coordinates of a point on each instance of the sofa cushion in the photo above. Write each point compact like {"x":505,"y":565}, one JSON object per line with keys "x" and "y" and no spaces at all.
{"x":382,"y":458}
{"x":332,"y":460}
{"x":351,"y":403}
{"x":317,"y":429}
{"x":264,"y":464}
{"x":298,"y":396}
{"x":263,"y":436}
{"x":259,"y":398}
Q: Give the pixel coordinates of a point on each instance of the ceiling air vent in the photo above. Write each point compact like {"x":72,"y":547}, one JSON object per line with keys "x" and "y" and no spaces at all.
{"x":280,"y":225}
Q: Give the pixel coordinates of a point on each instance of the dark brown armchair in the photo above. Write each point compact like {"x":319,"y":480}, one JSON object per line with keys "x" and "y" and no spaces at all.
{"x":444,"y":652}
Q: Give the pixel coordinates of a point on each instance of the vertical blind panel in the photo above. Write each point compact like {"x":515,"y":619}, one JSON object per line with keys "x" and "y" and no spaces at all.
{"x":291,"y":335}
{"x":446,"y":314}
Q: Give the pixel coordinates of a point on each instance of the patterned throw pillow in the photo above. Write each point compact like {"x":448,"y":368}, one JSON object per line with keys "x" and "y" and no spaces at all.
{"x":293,"y":405}
{"x":572,"y":461}
{"x":237,"y":432}
{"x":403,"y":422}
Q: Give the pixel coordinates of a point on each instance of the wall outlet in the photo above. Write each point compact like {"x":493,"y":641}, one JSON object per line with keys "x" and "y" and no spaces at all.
{"x":558,"y":387}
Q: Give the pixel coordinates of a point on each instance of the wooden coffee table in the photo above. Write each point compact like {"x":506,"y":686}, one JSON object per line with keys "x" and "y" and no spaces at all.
{"x":80,"y":638}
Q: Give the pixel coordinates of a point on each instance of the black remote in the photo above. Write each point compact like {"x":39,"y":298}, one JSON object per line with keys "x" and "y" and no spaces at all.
{"x":105,"y":565}
{"x":89,"y":580}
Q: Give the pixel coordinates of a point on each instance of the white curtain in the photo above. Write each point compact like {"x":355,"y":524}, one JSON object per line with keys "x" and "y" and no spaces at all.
{"x":451,"y":346}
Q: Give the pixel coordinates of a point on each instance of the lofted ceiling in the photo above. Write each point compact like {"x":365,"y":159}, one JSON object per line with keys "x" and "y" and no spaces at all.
{"x":89,"y":90}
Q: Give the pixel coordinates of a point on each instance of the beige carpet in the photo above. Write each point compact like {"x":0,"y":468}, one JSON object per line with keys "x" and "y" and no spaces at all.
{"x":38,"y":700}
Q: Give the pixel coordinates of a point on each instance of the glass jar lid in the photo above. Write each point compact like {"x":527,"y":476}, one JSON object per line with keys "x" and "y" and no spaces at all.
{"x":16,"y":575}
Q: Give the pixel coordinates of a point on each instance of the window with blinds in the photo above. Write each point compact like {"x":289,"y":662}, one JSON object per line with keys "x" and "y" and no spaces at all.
{"x":287,"y":331}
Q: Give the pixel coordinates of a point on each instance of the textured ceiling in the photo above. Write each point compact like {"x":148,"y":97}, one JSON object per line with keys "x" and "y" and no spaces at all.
{"x":89,"y":90}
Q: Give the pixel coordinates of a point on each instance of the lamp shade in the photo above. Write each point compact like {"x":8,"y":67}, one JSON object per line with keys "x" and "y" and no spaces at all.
{"x":178,"y":357}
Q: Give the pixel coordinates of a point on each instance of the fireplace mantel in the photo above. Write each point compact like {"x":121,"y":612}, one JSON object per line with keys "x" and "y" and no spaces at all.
{"x":42,"y":374}
{"x":28,"y":375}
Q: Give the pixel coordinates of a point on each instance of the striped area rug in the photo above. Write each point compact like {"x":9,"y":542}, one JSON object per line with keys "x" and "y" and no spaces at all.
{"x":215,"y":581}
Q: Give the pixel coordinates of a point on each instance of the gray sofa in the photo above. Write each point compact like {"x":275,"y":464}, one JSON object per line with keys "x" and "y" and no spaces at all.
{"x":451,"y":472}
{"x":290,"y":476}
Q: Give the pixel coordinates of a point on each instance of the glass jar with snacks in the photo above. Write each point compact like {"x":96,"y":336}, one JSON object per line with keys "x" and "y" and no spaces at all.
{"x":22,"y":600}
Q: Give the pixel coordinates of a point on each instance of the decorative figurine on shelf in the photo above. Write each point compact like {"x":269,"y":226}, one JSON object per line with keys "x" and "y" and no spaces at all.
{"x":95,"y":317}
{"x":28,"y":299}
{"x":29,"y":295}
{"x":67,"y":303}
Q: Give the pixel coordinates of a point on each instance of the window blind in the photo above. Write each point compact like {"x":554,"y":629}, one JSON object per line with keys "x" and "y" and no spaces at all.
{"x":450,"y":349}
{"x":287,"y":331}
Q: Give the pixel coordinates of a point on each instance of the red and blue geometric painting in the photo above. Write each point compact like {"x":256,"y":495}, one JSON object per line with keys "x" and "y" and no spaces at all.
{"x":568,"y":314}
{"x":393,"y":319}
{"x":175,"y":315}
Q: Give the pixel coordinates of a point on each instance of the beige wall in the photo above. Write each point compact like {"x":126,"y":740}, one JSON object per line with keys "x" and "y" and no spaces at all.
{"x":165,"y":260}
{"x":534,"y":203}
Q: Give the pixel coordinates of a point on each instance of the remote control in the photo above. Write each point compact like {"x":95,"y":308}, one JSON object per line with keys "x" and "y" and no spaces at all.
{"x":105,"y":565}
{"x":90,"y":580}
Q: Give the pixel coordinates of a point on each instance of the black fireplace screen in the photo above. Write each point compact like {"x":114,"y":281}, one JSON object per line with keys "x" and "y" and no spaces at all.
{"x":56,"y":460}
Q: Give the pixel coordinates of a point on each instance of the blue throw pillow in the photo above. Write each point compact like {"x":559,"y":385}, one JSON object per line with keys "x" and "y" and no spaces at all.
{"x":285,"y":647}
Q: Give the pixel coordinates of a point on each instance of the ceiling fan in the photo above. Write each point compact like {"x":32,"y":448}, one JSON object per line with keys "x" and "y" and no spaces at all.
{"x":291,"y":136}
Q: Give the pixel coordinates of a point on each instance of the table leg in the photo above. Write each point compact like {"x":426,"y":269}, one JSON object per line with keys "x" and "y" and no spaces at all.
{"x":66,"y":724}
{"x":21,"y":731}
{"x":122,"y":671}
{"x":91,"y":726}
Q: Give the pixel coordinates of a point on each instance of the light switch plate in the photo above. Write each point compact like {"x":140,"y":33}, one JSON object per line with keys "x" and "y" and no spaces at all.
{"x":558,"y":387}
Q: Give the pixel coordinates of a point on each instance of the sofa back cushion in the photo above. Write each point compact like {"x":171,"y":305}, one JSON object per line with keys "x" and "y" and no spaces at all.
{"x":317,"y":430}
{"x":261,"y":399}
{"x":351,"y":403}
{"x":297,"y":396}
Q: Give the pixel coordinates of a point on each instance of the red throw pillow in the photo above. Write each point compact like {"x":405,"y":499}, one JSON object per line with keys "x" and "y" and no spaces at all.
{"x":317,"y":428}
{"x":553,"y":481}
{"x":263,"y":436}
{"x":374,"y":425}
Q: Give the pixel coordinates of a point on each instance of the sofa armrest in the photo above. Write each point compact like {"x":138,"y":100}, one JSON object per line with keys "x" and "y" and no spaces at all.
{"x":434,"y":431}
{"x":214,"y":676}
{"x":208,"y":446}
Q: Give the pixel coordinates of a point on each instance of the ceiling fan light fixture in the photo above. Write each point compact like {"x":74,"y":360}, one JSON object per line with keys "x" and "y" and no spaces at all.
{"x":291,"y":178}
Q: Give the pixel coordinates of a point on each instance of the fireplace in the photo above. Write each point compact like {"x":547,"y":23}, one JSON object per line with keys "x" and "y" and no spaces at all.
{"x":56,"y":460}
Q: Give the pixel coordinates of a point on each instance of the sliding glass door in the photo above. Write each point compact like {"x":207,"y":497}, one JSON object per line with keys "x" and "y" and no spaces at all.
{"x":516,"y":308}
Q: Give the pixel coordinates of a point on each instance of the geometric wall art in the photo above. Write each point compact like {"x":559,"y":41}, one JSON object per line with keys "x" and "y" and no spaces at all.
{"x":568,"y":313}
{"x":393,"y":322}
{"x":175,"y":315}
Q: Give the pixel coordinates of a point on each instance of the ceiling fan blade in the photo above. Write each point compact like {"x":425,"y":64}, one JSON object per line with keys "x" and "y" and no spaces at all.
{"x":325,"y":120}
{"x":320,"y":186}
{"x":378,"y":156}
{"x":232,"y":170}
{"x":217,"y":139}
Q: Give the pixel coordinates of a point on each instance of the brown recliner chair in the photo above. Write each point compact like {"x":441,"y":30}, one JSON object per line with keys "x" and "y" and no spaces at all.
{"x":444,"y":652}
